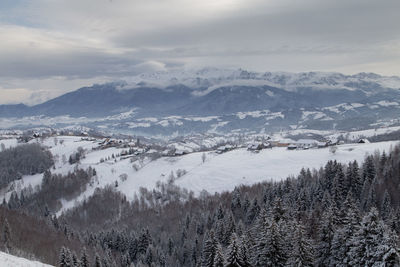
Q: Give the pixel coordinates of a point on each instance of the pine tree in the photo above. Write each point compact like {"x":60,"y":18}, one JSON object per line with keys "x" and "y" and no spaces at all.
{"x":220,"y":212}
{"x":65,"y":259}
{"x":339,"y":187}
{"x":75,"y":261}
{"x":357,"y":181}
{"x":326,"y":233}
{"x":220,"y":231}
{"x":84,"y":258}
{"x":149,"y":257}
{"x":373,"y":244}
{"x":369,"y":171}
{"x":236,"y":203}
{"x":62,"y":258}
{"x":233,"y":254}
{"x":349,"y":222}
{"x":253,"y":211}
{"x":244,"y":254}
{"x":219,"y":257}
{"x":278,"y":211}
{"x":7,"y":235}
{"x":386,"y":205}
{"x":209,"y":250}
{"x":269,"y":249}
{"x":229,"y":228}
{"x":144,"y":241}
{"x":302,"y":253}
{"x":97,"y":261}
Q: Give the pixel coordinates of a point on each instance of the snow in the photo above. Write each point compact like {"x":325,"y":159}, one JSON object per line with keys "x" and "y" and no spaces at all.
{"x":387,"y":103}
{"x":355,"y":135}
{"x":210,"y":79}
{"x":8,"y":142}
{"x":314,"y":115}
{"x":138,"y":124}
{"x":218,"y":173}
{"x":222,"y":172}
{"x":7,"y":260}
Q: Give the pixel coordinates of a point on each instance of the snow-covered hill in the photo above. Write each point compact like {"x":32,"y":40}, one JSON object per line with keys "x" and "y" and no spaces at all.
{"x":219,"y":172}
{"x":7,"y":260}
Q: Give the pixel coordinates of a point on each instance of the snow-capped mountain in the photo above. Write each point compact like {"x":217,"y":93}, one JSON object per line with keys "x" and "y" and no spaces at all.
{"x":214,"y":78}
{"x":221,"y":100}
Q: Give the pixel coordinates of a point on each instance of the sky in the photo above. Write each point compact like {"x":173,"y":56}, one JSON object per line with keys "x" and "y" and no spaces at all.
{"x":49,"y":47}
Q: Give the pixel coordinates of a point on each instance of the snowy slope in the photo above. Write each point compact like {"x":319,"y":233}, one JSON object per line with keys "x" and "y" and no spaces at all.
{"x":7,"y":260}
{"x":218,"y":173}
{"x":225,"y":171}
{"x":8,"y":142}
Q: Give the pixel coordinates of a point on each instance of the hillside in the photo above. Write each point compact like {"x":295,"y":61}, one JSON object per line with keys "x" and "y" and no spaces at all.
{"x":7,"y":260}
{"x":218,"y":173}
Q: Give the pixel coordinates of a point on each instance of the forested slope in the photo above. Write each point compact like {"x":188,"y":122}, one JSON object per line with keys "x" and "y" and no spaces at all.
{"x":339,"y":215}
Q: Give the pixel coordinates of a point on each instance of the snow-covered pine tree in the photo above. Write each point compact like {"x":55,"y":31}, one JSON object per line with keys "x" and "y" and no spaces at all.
{"x":339,"y":186}
{"x":244,"y":253}
{"x":84,"y":258}
{"x":229,"y":228}
{"x":269,"y":247}
{"x":302,"y":253}
{"x":209,"y":250}
{"x":253,"y":212}
{"x":348,"y":225}
{"x":6,"y":235}
{"x":325,"y":238}
{"x":373,"y":244}
{"x":369,"y":170}
{"x":233,"y":253}
{"x":97,"y":260}
{"x":386,"y":206}
{"x":219,"y":257}
{"x":75,"y":261}
{"x":65,"y":259}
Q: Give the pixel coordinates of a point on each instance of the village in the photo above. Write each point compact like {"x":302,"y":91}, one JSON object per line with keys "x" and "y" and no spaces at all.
{"x":136,"y":147}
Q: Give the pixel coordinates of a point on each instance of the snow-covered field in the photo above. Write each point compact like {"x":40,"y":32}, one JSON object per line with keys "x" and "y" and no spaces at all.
{"x":7,"y":260}
{"x":225,"y":171}
{"x":218,"y":173}
{"x":8,"y":142}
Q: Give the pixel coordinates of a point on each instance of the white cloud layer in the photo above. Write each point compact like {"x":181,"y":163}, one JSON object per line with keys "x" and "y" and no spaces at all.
{"x":49,"y":47}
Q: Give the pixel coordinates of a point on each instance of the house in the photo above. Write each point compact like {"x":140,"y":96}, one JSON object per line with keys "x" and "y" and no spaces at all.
{"x":363,"y":141}
{"x":322,"y":144}
{"x":223,"y":149}
{"x":284,"y":142}
{"x":292,"y":147}
{"x":306,"y":143}
{"x":255,"y":146}
{"x":179,"y":152}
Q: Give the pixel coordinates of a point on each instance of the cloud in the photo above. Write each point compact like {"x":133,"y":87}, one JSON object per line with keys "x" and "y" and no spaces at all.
{"x":71,"y":42}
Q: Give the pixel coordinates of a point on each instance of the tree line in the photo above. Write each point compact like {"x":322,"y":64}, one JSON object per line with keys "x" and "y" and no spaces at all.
{"x":21,"y":160}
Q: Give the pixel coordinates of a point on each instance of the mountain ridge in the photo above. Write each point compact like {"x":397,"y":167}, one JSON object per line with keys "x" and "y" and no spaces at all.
{"x":333,"y":99}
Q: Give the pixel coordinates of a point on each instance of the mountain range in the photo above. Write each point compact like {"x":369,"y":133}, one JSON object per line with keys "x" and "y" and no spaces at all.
{"x":225,"y":100}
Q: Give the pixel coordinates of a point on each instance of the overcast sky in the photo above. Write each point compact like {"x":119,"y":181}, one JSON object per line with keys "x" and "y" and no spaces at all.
{"x":49,"y":47}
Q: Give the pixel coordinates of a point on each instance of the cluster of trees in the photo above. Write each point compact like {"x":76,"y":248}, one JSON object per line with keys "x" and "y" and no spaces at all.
{"x":76,"y":156}
{"x":46,"y":199}
{"x":339,"y":215}
{"x":38,"y":238}
{"x":23,"y":160}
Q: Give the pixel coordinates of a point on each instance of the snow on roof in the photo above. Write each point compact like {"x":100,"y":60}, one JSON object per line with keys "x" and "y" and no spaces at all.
{"x":306,"y":141}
